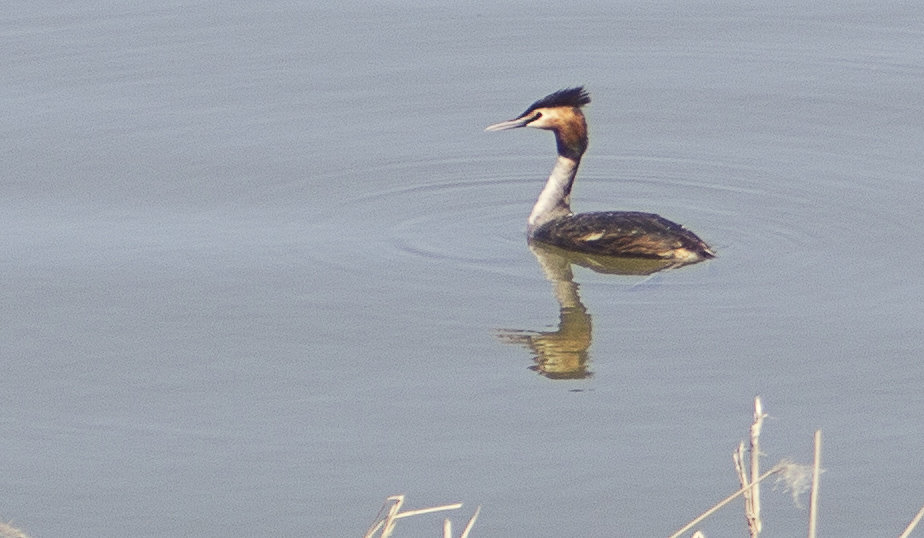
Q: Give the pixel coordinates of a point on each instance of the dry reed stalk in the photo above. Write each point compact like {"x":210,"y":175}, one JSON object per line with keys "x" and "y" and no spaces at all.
{"x":471,"y":523}
{"x":754,"y":523}
{"x":727,"y":500}
{"x":9,"y":531}
{"x":392,"y":514}
{"x":420,"y":511}
{"x":813,"y":498}
{"x":386,"y":523}
{"x":447,"y":525}
{"x":738,"y":457}
{"x":752,"y":495}
{"x":913,"y":524}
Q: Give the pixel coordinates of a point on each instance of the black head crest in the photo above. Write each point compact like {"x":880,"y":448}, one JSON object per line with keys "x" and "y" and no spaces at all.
{"x":576,"y":97}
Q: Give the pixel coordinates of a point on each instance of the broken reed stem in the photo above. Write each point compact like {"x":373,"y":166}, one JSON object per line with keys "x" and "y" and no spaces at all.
{"x":751,"y":487}
{"x":813,"y":499}
{"x":913,"y":524}
{"x":471,"y":523}
{"x":387,"y":523}
{"x":409,"y":513}
{"x":725,"y":501}
{"x":738,"y":457}
{"x":754,"y":523}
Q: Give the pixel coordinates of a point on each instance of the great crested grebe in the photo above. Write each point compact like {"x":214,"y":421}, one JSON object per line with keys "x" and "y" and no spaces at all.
{"x":612,"y":233}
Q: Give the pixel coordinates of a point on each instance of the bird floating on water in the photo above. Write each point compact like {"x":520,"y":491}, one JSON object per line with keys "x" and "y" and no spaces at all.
{"x":612,"y":233}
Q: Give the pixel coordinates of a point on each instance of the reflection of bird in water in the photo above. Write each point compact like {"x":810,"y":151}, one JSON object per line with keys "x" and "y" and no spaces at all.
{"x":563,"y":354}
{"x":611,"y":233}
{"x":560,"y":354}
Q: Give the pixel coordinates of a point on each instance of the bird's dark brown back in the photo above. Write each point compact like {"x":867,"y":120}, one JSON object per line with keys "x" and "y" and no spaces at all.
{"x":623,"y":233}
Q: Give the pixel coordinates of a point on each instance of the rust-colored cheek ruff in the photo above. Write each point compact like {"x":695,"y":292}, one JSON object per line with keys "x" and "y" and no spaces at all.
{"x":571,"y":136}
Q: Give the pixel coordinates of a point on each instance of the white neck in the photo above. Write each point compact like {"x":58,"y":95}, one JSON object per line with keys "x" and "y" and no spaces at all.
{"x":555,"y":199}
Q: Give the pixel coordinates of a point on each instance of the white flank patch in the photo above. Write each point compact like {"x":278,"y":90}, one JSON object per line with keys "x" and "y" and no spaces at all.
{"x":592,"y":237}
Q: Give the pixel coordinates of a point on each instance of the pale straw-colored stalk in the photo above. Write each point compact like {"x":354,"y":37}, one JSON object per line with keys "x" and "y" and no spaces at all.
{"x":392,"y":513}
{"x":725,"y":501}
{"x":754,"y":522}
{"x":813,"y":499}
{"x":913,"y":524}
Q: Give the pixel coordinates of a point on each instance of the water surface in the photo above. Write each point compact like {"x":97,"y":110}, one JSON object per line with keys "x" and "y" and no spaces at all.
{"x":257,"y":260}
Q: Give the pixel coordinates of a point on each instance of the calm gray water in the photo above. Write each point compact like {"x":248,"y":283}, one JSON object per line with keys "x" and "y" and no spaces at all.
{"x":262,"y":267}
